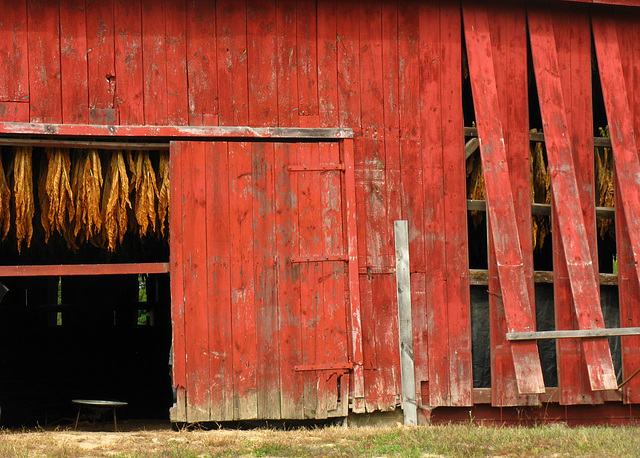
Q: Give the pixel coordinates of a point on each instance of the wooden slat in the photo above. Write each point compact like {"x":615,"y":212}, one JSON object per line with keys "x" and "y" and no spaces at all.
{"x":201,"y":60}
{"x":581,"y":271}
{"x":289,"y":282}
{"x":516,"y":300}
{"x":327,"y":63}
{"x":455,"y":223}
{"x":14,"y":84}
{"x":403,"y":281}
{"x":45,"y":93}
{"x":242,"y":281}
{"x":287,"y":63}
{"x":128,"y":62}
{"x":262,"y":63}
{"x":355,"y":320}
{"x":14,"y":111}
{"x":509,"y":46}
{"x":176,"y":132}
{"x":176,"y":238}
{"x":73,"y":62}
{"x":231,"y":28}
{"x":434,"y":212}
{"x":84,"y":269}
{"x":176,"y":63}
{"x":542,"y":209}
{"x":572,"y":34}
{"x":266,"y":306}
{"x":307,"y":63}
{"x":219,"y":281}
{"x":101,"y":72}
{"x":622,"y":124}
{"x":481,"y":277}
{"x":154,"y":67}
{"x":196,"y":295}
{"x":575,"y":333}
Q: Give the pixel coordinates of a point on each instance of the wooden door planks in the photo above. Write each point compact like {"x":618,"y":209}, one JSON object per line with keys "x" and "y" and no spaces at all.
{"x":128,"y":62}
{"x":14,"y":84}
{"x":582,"y":274}
{"x":516,"y":298}
{"x":509,"y":50}
{"x":627,"y":167}
{"x":572,"y":33}
{"x":101,"y":72}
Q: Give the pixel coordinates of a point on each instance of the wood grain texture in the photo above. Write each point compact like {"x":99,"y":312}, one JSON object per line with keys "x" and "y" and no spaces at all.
{"x":101,"y":72}
{"x":14,"y":84}
{"x":128,"y":62}
{"x":509,"y":50}
{"x":507,"y":247}
{"x":582,"y":272}
{"x":73,"y":62}
{"x":623,"y":122}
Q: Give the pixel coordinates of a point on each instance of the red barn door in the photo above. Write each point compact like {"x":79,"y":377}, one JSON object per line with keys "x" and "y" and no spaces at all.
{"x":260,"y":281}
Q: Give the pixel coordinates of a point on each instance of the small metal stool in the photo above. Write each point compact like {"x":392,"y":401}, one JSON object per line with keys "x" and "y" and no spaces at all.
{"x":98,"y":406}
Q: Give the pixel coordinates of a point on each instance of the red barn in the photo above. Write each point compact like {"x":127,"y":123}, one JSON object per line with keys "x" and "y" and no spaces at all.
{"x":290,"y":136}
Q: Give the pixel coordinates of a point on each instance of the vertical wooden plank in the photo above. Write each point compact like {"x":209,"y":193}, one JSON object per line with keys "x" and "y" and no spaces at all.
{"x":14,"y":65}
{"x":176,"y":62}
{"x":500,"y":204}
{"x":101,"y":70}
{"x":287,"y":63}
{"x":196,"y":291}
{"x":129,"y":64}
{"x":220,"y":320}
{"x":154,"y":65}
{"x":176,"y":240}
{"x":435,"y":257}
{"x":412,"y":187}
{"x":355,"y":321}
{"x":231,"y":27}
{"x":262,"y":63}
{"x":582,"y":274}
{"x":509,"y":47}
{"x":572,"y":33}
{"x":266,"y":288}
{"x":73,"y":62}
{"x":628,"y":28}
{"x":627,"y":168}
{"x":202,"y":60}
{"x":327,"y":63}
{"x":289,"y":281}
{"x":45,"y":91}
{"x":306,"y":54}
{"x":242,"y":281}
{"x":455,"y":205}
{"x":403,"y":280}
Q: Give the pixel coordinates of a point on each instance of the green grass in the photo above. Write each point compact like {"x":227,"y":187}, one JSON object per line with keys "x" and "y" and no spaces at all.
{"x":457,"y":441}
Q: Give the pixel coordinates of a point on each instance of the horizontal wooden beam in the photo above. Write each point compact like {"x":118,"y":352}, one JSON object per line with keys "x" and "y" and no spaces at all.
{"x":600,"y":142}
{"x":59,"y":143}
{"x":479,"y":277}
{"x":541,"y":209}
{"x":323,"y":367}
{"x":84,"y":269}
{"x":551,"y":394}
{"x":573,"y":334}
{"x":175,"y":132}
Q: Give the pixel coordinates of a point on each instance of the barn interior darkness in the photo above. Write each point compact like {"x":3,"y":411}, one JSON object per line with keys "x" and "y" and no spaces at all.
{"x":83,"y":337}
{"x":543,"y":251}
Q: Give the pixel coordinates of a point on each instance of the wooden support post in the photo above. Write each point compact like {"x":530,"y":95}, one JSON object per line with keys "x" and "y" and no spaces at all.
{"x":405,"y":332}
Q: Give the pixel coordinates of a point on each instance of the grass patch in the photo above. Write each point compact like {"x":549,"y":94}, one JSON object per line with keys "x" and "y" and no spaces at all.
{"x":458,"y":441}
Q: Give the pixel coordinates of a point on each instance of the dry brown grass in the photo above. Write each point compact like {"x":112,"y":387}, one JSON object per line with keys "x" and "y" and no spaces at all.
{"x":330,"y":441}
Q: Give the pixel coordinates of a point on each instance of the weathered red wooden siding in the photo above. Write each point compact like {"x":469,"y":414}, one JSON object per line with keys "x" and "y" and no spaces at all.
{"x":389,"y":70}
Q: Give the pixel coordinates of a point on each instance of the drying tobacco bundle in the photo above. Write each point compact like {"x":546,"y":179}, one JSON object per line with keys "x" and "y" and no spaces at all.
{"x":144,"y":189}
{"x":605,"y":196}
{"x":115,"y":201}
{"x":86,"y":185}
{"x":5,"y":199}
{"x":540,"y":193}
{"x":23,"y":195}
{"x":163,"y":194}
{"x":475,"y":185}
{"x":54,"y":189}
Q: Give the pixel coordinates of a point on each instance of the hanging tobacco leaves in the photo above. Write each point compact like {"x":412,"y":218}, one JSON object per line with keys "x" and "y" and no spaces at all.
{"x":115,"y":201}
{"x":144,"y":189}
{"x":23,"y":195}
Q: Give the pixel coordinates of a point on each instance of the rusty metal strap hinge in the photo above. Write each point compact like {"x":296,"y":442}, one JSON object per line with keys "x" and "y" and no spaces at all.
{"x":316,"y":168}
{"x":323,"y":367}
{"x":298,"y":259}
